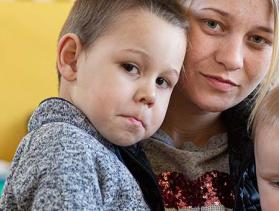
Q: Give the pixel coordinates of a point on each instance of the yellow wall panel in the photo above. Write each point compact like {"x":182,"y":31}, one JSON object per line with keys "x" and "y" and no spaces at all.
{"x":28,"y":39}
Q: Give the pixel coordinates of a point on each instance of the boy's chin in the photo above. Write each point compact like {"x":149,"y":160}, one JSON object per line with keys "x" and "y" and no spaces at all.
{"x":126,"y":140}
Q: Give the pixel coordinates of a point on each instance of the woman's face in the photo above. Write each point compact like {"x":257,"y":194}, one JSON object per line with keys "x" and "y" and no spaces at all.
{"x":229,"y":51}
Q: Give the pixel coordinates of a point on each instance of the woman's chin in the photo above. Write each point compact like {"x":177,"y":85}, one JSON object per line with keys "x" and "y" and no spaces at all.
{"x":214,"y":107}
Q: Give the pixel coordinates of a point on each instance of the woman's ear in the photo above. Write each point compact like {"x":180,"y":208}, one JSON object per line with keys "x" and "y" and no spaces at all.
{"x":69,"y":49}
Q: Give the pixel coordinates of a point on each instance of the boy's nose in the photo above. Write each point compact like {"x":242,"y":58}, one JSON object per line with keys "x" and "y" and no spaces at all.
{"x":146,"y":95}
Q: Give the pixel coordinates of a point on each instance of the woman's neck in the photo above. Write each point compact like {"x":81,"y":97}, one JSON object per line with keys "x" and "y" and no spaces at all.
{"x":186,"y":122}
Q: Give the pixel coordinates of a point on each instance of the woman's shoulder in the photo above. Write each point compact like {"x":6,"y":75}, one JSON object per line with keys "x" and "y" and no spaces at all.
{"x":241,"y":154}
{"x":237,"y":116}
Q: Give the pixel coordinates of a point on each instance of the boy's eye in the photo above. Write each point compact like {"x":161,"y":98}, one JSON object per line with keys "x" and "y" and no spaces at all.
{"x":130,"y":68}
{"x":161,"y":82}
{"x":275,"y":183}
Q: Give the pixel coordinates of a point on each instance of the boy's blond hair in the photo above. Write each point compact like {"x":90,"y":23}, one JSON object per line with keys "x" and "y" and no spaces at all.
{"x":268,"y":112}
{"x":89,"y":19}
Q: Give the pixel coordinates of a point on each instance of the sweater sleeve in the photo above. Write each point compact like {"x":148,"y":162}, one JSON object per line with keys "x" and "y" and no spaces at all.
{"x":54,"y":172}
{"x":69,"y":181}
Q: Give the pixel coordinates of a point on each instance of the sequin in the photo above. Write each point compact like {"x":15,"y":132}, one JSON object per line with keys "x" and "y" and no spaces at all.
{"x":212,"y":188}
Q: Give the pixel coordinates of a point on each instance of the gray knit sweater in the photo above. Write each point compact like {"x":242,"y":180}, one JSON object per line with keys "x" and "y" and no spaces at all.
{"x":64,"y":164}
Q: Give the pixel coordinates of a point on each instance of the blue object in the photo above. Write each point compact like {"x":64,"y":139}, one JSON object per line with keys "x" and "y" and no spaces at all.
{"x":2,"y":182}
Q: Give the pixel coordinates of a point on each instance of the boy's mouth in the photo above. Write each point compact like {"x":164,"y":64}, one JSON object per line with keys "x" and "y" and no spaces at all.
{"x":135,"y":120}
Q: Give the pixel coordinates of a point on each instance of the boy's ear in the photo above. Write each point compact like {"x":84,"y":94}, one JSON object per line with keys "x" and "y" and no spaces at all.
{"x":69,"y":49}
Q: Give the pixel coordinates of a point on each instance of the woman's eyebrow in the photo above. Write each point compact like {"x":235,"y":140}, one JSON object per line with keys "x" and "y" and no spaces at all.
{"x":265,"y":29}
{"x":221,"y":12}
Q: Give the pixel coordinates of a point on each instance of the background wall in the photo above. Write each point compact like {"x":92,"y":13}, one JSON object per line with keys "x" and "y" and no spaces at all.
{"x":28,"y":38}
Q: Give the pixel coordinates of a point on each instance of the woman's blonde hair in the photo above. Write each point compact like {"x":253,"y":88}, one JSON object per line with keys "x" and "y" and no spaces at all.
{"x":271,"y":78}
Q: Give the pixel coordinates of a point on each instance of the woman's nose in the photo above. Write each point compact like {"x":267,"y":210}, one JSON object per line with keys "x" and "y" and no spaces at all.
{"x":230,"y":54}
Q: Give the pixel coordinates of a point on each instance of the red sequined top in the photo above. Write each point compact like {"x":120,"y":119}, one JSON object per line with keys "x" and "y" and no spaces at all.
{"x":192,"y":177}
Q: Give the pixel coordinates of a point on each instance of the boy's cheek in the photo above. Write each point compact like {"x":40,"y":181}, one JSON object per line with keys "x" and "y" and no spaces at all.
{"x":269,"y":195}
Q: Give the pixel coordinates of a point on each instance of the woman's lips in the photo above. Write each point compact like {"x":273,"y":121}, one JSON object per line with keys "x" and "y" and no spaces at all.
{"x":220,"y":83}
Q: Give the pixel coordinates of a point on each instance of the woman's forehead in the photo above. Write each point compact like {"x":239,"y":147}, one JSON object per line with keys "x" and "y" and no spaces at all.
{"x":254,"y":12}
{"x":232,"y":6}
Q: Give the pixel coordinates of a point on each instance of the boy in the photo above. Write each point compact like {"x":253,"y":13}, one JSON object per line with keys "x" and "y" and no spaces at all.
{"x":118,"y":62}
{"x":266,"y":136}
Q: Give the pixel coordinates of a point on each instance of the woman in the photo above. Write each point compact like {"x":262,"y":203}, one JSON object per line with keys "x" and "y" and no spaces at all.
{"x":202,"y":155}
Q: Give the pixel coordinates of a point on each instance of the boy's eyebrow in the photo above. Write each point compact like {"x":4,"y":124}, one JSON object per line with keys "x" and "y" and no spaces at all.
{"x":172,"y":71}
{"x":269,"y":172}
{"x":147,"y":55}
{"x":137,"y":51}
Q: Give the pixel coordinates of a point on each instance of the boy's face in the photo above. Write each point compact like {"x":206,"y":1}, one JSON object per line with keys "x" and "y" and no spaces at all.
{"x":124,"y":81}
{"x":267,"y":165}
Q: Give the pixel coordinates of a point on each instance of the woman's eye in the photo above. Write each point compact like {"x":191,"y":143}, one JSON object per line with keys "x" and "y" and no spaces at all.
{"x":259,"y":42}
{"x":130,"y":68}
{"x":258,"y":39}
{"x":212,"y":24}
{"x":161,"y":82}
